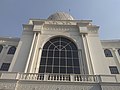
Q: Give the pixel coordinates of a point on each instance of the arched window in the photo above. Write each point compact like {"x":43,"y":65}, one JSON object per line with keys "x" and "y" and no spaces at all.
{"x":12,"y":50}
{"x":119,"y":51}
{"x":59,"y":55}
{"x":108,"y":53}
{"x":1,"y":47}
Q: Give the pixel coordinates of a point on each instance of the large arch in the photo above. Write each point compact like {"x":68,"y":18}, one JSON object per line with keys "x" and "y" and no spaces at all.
{"x":59,"y":55}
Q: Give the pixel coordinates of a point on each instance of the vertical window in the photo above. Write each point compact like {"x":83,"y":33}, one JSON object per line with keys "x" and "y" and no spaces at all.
{"x":119,"y":51}
{"x":113,"y":70}
{"x":59,"y":55}
{"x":5,"y":67}
{"x":12,"y":50}
{"x":1,"y":47}
{"x":108,"y":53}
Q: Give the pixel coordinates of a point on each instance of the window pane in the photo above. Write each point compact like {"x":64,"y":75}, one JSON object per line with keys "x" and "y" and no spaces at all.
{"x":73,"y":46}
{"x":62,"y":69}
{"x":56,"y":43}
{"x":44,"y":53}
{"x":68,"y":47}
{"x":55,"y":69}
{"x":62,"y":53}
{"x":51,"y":47}
{"x":69,"y":62}
{"x":62,"y":62}
{"x":56,"y":61}
{"x":75,"y":54}
{"x":76,"y":70}
{"x":113,"y":70}
{"x":50,"y":53}
{"x":46,"y":45}
{"x":5,"y":67}
{"x":108,"y":53}
{"x":43,"y":61}
{"x":49,"y":69}
{"x":42,"y":69}
{"x":49,"y":61}
{"x":69,"y":70}
{"x":69,"y":54}
{"x":76,"y":62}
{"x":56,"y":54}
{"x":12,"y":50}
{"x":63,"y":43}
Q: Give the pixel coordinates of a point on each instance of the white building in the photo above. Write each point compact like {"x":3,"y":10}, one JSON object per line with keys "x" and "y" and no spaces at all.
{"x":59,"y":53}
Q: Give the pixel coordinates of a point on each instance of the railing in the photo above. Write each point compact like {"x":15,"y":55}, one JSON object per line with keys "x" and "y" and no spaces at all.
{"x":59,"y":77}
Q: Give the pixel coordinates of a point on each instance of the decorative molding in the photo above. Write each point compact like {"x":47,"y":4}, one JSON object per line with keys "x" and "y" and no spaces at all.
{"x":58,"y":23}
{"x":64,"y":28}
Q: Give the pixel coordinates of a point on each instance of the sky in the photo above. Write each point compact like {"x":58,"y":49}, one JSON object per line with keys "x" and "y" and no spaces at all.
{"x":104,"y":13}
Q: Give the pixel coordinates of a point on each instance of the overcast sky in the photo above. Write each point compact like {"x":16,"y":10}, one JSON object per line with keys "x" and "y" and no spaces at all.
{"x":104,"y":13}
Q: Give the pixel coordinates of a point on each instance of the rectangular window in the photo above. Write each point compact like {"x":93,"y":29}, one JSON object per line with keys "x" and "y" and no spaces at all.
{"x":113,"y":70}
{"x":5,"y":67}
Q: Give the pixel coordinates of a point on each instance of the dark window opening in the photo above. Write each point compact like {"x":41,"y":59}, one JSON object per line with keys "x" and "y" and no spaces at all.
{"x":12,"y":50}
{"x":113,"y":70}
{"x":59,"y":55}
{"x":108,"y":53}
{"x":5,"y":67}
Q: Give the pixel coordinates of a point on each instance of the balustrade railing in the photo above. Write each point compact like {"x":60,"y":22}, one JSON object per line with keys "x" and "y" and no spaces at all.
{"x":59,"y":77}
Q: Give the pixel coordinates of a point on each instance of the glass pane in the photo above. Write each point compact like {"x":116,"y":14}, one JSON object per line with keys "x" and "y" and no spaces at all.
{"x":49,"y":61}
{"x":46,"y":45}
{"x":56,"y":61}
{"x":43,"y":61}
{"x":69,"y":54}
{"x":62,"y":53}
{"x":62,"y":62}
{"x":55,"y":69}
{"x":49,"y":69}
{"x":42,"y":69}
{"x":44,"y":53}
{"x":51,"y":47}
{"x":76,"y":62}
{"x":56,"y":53}
{"x":50,"y":53}
{"x":63,"y":43}
{"x":69,"y":70}
{"x":75,"y":54}
{"x":69,"y":62}
{"x":73,"y":46}
{"x":56,"y":43}
{"x":76,"y":70}
{"x":62,"y":69}
{"x":68,"y":47}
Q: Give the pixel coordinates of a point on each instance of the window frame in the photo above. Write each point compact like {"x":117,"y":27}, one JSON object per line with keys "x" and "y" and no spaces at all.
{"x":108,"y":53}
{"x":12,"y":50}
{"x":62,"y":48}
{"x":113,"y":69}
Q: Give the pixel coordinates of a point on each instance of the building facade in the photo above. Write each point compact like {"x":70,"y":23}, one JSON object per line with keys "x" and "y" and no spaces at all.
{"x":59,"y":53}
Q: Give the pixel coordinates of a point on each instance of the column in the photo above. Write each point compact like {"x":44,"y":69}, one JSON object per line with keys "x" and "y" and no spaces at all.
{"x":30,"y":54}
{"x":87,"y":54}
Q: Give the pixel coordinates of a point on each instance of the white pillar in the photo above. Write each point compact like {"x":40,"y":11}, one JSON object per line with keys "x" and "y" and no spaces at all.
{"x":38,"y":61}
{"x":29,"y":57}
{"x":35,"y":56}
{"x":87,"y":54}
